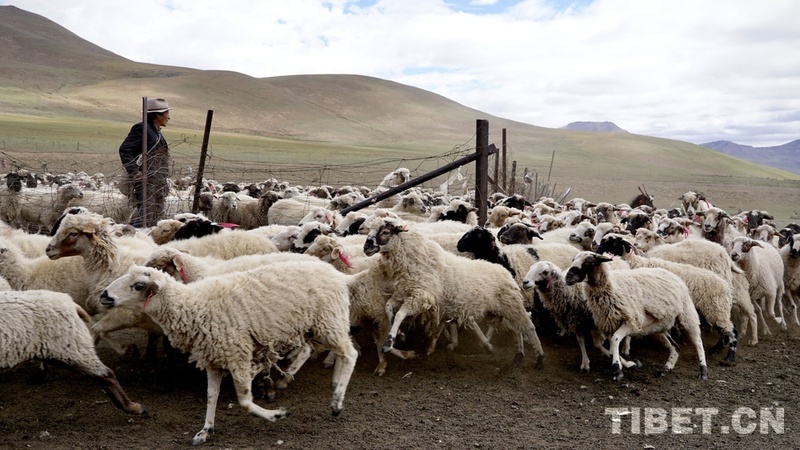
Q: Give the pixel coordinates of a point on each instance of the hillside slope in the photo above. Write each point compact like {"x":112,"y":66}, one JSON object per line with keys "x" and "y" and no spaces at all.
{"x":52,"y":80}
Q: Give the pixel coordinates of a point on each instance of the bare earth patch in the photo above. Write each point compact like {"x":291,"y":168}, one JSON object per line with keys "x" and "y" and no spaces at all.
{"x":464,"y":399}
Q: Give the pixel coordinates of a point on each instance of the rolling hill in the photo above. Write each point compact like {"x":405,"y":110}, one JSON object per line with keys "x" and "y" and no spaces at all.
{"x":55,"y":84}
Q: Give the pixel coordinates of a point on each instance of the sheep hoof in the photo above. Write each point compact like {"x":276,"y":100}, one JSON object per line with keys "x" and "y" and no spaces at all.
{"x":617,"y":371}
{"x":450,"y":347}
{"x":703,"y":372}
{"x":202,"y":436}
{"x":637,"y":364}
{"x":539,"y":364}
{"x":388,"y":344}
{"x":584,"y":370}
{"x":663,"y":372}
{"x":518,"y":359}
{"x":379,"y":371}
{"x":336,"y":411}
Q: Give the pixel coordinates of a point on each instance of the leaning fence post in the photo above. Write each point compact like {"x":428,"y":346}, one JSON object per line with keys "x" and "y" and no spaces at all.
{"x":201,"y":167}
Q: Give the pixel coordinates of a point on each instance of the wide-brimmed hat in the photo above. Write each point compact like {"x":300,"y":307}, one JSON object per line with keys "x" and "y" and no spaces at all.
{"x":157,"y":105}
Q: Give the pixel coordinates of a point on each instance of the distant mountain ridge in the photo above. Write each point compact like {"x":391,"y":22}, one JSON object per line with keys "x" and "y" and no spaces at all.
{"x":786,"y":156}
{"x":606,"y":127}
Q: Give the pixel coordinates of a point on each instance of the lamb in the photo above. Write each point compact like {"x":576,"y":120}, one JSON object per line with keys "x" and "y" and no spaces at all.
{"x":566,"y":304}
{"x":458,"y":211}
{"x":88,"y":235}
{"x":637,"y":302}
{"x":207,"y":319}
{"x":350,"y":223}
{"x":710,"y":293}
{"x":426,"y":279}
{"x":763,"y":267}
{"x":42,"y":324}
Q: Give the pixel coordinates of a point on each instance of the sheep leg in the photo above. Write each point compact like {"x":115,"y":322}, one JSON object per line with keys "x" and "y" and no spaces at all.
{"x":298,"y":357}
{"x":791,"y":302}
{"x":242,"y":381}
{"x":342,"y":371}
{"x":626,"y":346}
{"x":666,"y":339}
{"x":115,"y":319}
{"x":214,"y":377}
{"x":435,"y":338}
{"x":402,"y":313}
{"x":479,"y":333}
{"x":453,"y":333}
{"x":382,"y":330}
{"x":533,"y":339}
{"x":771,"y":308}
{"x":622,"y":332}
{"x":759,"y":311}
{"x":748,"y":314}
{"x":105,"y":377}
{"x":697,"y":340}
{"x":584,"y":355}
{"x":597,"y":341}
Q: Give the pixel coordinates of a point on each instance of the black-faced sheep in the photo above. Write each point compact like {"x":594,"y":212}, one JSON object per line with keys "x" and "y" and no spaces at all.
{"x":637,"y":302}
{"x":710,"y":293}
{"x":424,"y":278}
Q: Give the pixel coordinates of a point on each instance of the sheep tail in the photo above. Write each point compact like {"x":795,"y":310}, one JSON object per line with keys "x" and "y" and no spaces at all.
{"x":85,"y":317}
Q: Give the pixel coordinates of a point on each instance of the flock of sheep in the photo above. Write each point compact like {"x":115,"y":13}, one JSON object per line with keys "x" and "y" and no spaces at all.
{"x":222,"y":285}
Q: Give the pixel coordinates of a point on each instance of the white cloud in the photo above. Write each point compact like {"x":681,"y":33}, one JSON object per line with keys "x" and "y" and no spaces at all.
{"x":681,"y":69}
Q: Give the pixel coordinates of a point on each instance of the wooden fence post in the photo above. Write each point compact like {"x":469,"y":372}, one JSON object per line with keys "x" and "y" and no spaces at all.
{"x":201,"y":168}
{"x":482,"y":169}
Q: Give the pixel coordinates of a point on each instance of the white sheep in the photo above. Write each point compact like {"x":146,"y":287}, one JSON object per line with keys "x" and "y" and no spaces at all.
{"x":48,"y":325}
{"x":790,"y":253}
{"x":368,"y":295}
{"x":637,"y":302}
{"x":710,"y":293}
{"x":290,"y":211}
{"x":567,"y":305}
{"x":763,"y":266}
{"x":107,"y":202}
{"x":707,"y":255}
{"x":239,"y":322}
{"x":226,"y":245}
{"x":426,"y":279}
{"x":39,"y":209}
{"x":32,"y":245}
{"x":88,"y":235}
{"x":41,"y":273}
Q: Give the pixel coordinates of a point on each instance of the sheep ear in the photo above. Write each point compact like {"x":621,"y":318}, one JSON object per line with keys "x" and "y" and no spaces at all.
{"x":150,"y":289}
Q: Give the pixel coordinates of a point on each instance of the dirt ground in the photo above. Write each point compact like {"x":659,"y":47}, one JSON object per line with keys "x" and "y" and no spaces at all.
{"x":464,"y":399}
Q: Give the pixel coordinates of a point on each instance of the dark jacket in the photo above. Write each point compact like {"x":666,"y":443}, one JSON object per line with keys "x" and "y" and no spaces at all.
{"x":131,"y":147}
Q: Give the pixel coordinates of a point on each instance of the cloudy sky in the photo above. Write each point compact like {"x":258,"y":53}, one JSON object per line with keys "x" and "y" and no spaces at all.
{"x":693,"y":70}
